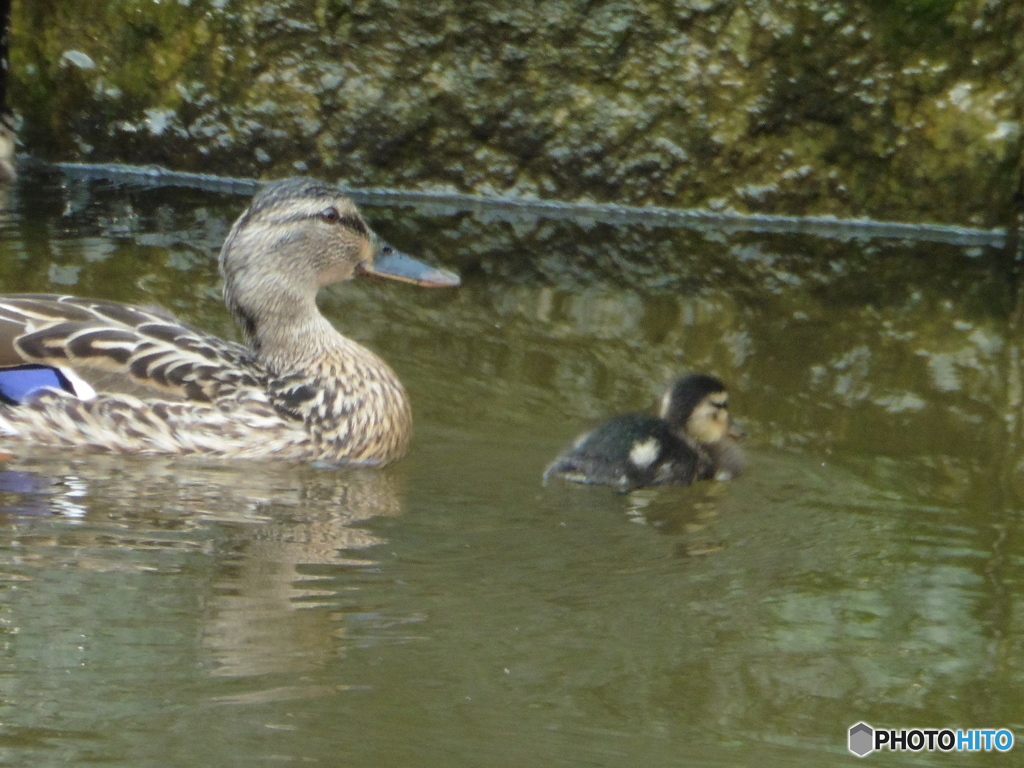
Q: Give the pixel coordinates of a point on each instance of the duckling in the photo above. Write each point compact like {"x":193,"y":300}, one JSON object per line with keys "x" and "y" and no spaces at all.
{"x":101,"y":375}
{"x":693,"y":438}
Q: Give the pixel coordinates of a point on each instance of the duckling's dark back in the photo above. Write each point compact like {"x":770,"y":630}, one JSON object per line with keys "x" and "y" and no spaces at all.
{"x":630,"y":451}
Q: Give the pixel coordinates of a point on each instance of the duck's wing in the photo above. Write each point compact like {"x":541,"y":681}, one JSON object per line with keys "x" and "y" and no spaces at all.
{"x":122,"y":348}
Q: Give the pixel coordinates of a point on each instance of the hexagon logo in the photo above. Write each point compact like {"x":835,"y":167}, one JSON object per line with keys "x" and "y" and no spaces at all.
{"x":862,"y":739}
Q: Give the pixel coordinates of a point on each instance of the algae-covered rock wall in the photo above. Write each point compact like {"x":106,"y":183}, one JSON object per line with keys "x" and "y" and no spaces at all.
{"x":897,"y":109}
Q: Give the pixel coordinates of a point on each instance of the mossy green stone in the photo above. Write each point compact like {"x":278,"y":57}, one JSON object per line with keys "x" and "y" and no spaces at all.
{"x":903,"y":111}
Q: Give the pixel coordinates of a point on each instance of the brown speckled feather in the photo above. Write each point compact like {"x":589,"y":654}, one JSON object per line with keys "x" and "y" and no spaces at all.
{"x":151,"y":349}
{"x":298,"y":390}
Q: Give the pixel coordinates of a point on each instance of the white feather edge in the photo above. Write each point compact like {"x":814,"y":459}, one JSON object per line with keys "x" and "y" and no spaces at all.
{"x":82,"y":389}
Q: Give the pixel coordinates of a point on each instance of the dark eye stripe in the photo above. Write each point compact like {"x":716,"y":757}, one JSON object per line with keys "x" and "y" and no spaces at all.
{"x":354,"y":223}
{"x":349,"y":221}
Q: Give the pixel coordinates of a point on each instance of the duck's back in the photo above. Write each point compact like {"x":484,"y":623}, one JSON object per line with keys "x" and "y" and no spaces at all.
{"x":103,"y":375}
{"x":629,"y":451}
{"x":119,"y":348}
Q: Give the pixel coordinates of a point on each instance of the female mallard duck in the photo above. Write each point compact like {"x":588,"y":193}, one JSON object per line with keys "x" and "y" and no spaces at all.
{"x":692,"y":439}
{"x":101,"y":375}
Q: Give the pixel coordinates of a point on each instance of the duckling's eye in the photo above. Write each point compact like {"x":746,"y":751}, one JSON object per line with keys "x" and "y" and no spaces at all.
{"x":330,"y":215}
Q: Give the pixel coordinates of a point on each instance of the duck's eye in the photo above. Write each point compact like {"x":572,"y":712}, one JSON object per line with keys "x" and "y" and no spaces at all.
{"x":330,"y":215}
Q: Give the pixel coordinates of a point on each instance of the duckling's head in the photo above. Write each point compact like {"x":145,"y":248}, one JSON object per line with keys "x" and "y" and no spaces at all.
{"x":296,"y":236}
{"x":698,"y":405}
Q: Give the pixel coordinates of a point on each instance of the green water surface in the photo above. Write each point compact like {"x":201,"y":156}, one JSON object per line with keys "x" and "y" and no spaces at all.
{"x":451,"y":611}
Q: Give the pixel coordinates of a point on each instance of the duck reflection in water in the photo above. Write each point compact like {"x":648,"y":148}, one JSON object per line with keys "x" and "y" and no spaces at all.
{"x":280,"y":543}
{"x":26,"y":494}
{"x":692,"y":438}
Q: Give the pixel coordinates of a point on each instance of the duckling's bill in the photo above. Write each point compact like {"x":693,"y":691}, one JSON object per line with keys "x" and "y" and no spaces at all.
{"x":395,"y":265}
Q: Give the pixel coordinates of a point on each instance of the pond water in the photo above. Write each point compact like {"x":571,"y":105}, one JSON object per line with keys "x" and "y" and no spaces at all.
{"x":450,"y":610}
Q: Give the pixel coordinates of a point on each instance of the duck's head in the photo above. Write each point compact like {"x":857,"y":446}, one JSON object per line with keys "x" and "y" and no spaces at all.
{"x":298,"y":235}
{"x":698,"y":405}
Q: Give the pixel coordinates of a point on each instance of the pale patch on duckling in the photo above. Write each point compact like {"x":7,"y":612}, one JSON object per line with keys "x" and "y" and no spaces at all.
{"x":643,"y":453}
{"x":666,"y":402}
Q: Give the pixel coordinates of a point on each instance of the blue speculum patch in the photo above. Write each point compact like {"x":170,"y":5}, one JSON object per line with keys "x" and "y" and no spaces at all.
{"x":18,"y":384}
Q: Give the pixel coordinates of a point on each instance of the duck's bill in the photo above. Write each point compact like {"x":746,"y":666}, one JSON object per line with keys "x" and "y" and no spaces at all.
{"x":736,"y":431}
{"x":391,"y":264}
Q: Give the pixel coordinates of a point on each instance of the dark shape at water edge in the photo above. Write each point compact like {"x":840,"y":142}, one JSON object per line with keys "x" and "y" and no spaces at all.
{"x":517,"y":209}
